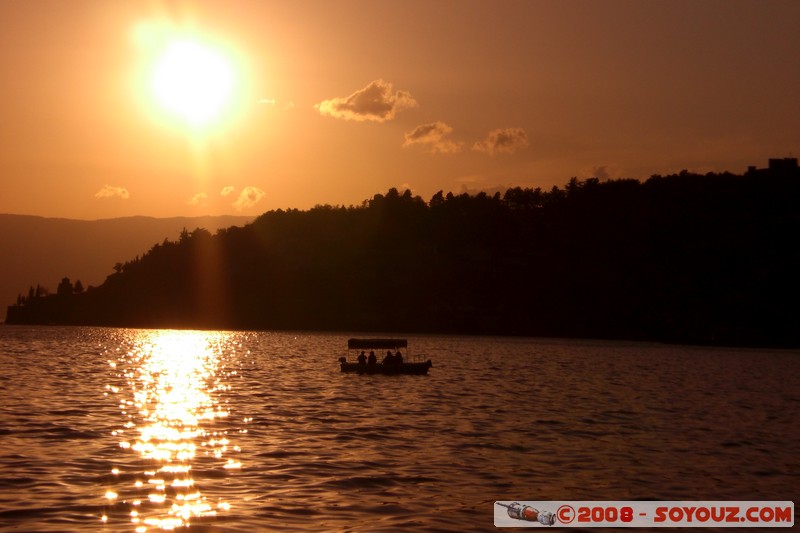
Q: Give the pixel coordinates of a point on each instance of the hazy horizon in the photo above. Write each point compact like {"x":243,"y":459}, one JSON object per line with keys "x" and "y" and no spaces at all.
{"x":104,"y":219}
{"x":40,"y":250}
{"x":236,"y":108}
{"x":463,"y":189}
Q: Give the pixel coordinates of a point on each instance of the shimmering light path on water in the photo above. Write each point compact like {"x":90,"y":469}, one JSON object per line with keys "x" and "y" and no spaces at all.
{"x":118,"y":430}
{"x":174,"y":383}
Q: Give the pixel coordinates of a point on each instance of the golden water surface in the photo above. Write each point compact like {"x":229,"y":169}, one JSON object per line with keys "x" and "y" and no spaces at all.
{"x":173,"y":394}
{"x":144,"y":431}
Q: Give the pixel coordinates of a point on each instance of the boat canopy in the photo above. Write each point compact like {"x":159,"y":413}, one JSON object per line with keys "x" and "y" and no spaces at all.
{"x":377,"y":344}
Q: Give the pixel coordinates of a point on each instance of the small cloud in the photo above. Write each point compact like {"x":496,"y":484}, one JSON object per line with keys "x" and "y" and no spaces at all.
{"x":374,"y":102}
{"x":267,"y":101}
{"x":226,"y":190}
{"x":249,"y":197}
{"x":198,"y":199}
{"x":603,"y":172}
{"x":473,"y":184}
{"x":502,"y":141}
{"x":434,"y":136}
{"x":488,"y":190}
{"x":109,"y":192}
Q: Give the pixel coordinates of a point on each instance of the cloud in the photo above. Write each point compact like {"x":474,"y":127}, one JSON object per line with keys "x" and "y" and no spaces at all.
{"x":473,"y":184}
{"x":109,"y":192}
{"x":249,"y":197}
{"x":488,"y":190}
{"x":433,"y":136}
{"x":603,"y":172}
{"x":198,"y":199}
{"x":502,"y":141}
{"x":226,"y":190}
{"x":374,"y":102}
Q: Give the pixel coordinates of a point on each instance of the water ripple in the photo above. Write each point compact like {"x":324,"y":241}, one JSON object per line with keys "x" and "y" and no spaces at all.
{"x":271,"y":436}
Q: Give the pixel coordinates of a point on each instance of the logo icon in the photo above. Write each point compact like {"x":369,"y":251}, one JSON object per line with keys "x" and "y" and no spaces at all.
{"x":525,"y":512}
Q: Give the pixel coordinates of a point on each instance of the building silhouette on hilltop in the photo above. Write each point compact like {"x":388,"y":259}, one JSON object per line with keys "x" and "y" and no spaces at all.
{"x":781,"y":166}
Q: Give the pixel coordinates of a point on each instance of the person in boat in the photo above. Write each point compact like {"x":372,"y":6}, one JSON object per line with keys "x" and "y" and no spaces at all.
{"x":389,"y":359}
{"x":372,"y":360}
{"x":362,"y":359}
{"x":398,"y":358}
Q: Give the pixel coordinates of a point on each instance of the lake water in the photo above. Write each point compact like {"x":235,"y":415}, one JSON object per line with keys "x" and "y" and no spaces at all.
{"x":143,"y":430}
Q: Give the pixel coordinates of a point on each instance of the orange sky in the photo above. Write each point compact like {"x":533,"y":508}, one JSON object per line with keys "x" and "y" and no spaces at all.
{"x":336,"y":101}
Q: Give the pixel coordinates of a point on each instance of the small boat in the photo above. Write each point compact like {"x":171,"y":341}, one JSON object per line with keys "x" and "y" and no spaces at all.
{"x":386,"y":365}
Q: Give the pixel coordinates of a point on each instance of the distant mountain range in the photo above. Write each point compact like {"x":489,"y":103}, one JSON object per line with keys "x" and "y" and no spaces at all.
{"x":38,"y":250}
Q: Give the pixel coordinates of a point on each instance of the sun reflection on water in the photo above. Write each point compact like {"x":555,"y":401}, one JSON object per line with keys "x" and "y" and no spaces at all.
{"x":176,"y":380}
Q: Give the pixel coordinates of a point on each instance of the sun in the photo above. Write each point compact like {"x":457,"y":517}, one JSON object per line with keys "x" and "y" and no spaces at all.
{"x":193,"y":81}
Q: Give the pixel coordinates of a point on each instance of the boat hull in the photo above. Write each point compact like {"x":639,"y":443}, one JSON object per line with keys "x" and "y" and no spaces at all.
{"x":405,"y":368}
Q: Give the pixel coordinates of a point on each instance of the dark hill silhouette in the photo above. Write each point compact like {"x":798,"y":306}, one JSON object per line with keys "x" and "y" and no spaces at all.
{"x":682,"y":258}
{"x":38,"y":250}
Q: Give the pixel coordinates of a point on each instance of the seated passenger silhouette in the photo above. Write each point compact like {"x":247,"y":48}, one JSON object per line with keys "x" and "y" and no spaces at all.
{"x":372,"y":360}
{"x":398,"y":358}
{"x":388,"y":360}
{"x":362,"y":359}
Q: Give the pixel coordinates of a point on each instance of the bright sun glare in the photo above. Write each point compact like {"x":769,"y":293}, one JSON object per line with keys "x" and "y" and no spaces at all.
{"x":193,"y":80}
